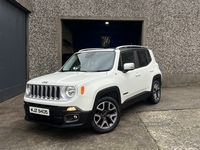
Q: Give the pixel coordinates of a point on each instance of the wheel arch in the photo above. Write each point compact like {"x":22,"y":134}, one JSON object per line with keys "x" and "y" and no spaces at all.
{"x":151,"y":99}
{"x":113,"y":92}
{"x":158,"y":77}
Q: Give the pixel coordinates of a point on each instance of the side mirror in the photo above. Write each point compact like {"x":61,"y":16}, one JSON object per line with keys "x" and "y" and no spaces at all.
{"x":128,"y":66}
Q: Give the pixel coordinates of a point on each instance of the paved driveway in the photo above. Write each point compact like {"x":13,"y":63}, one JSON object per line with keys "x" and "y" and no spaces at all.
{"x":173,"y":124}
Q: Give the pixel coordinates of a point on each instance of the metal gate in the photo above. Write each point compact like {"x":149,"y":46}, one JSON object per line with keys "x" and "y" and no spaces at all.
{"x":12,"y":50}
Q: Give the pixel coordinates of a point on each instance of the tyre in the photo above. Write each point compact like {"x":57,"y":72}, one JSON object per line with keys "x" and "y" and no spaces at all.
{"x":106,"y":116}
{"x":155,"y":96}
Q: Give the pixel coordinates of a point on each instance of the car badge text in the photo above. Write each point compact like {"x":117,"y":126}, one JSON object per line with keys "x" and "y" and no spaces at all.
{"x":45,"y":82}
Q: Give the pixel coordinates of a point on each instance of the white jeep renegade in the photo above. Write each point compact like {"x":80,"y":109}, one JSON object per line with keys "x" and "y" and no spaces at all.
{"x":92,"y":88}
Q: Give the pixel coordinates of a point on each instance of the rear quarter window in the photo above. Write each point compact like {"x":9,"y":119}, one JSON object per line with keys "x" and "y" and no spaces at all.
{"x":148,"y":56}
{"x":142,"y":58}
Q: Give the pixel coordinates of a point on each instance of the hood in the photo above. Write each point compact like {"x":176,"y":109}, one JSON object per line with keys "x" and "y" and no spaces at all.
{"x":63,"y":78}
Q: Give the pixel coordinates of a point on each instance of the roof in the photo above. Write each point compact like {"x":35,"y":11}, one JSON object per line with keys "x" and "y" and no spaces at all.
{"x":124,"y":47}
{"x":130,"y":46}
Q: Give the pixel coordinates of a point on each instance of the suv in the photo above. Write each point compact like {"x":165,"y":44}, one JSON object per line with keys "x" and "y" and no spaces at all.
{"x":92,"y":88}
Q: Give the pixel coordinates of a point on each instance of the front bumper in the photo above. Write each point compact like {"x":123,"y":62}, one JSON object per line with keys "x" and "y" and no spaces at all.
{"x":59,"y":116}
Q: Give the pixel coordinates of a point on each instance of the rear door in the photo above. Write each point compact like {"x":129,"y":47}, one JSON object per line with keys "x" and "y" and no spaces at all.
{"x":144,"y":69}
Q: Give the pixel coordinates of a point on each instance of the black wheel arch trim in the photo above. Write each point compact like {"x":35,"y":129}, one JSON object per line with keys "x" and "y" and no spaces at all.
{"x":158,"y":76}
{"x":109,"y":90}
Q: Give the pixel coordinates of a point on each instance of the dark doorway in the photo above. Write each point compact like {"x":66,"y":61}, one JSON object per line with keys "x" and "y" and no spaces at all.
{"x":79,"y":34}
{"x":12,"y":50}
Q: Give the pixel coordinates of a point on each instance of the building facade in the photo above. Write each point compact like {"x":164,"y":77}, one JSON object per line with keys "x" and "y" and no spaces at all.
{"x":169,"y":27}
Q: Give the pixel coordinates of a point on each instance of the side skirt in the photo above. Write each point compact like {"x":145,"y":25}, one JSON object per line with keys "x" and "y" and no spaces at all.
{"x":135,"y":99}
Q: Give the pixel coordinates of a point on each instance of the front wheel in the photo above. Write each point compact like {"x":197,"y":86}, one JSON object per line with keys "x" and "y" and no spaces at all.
{"x":106,"y":116}
{"x":155,"y":96}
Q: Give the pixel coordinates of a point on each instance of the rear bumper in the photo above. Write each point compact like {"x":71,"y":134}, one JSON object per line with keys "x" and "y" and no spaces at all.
{"x":59,"y":116}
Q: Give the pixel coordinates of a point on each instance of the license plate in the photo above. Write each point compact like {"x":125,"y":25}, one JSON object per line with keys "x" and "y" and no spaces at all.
{"x":39,"y":111}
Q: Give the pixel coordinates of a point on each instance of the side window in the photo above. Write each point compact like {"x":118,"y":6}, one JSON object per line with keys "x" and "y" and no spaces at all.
{"x":126,"y":57}
{"x":142,"y":58}
{"x":148,"y":56}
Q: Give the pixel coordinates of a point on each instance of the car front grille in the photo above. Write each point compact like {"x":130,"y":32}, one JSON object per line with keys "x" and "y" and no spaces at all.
{"x":45,"y":92}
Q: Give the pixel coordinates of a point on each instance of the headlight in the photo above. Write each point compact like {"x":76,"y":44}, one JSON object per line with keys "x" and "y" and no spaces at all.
{"x":28,"y":89}
{"x":70,"y":91}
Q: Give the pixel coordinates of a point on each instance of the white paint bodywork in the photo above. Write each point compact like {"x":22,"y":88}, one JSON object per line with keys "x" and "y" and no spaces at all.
{"x":132,"y":82}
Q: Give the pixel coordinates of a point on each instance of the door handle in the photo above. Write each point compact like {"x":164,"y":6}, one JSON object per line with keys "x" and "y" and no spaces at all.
{"x":151,"y":70}
{"x":137,"y":74}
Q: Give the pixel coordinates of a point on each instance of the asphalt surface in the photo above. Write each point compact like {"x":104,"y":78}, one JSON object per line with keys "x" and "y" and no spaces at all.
{"x":172,"y":124}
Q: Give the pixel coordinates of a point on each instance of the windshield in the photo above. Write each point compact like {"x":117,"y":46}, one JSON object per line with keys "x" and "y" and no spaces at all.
{"x":94,"y":61}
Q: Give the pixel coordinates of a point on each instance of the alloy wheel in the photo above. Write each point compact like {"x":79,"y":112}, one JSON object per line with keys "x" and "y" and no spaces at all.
{"x":106,"y":115}
{"x":156,"y":91}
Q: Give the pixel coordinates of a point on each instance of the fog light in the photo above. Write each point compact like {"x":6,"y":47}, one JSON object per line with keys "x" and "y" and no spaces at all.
{"x":71,"y":118}
{"x":75,"y":116}
{"x":71,"y":109}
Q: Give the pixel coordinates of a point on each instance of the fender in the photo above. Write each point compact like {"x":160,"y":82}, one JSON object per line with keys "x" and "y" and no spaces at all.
{"x":105,"y":92}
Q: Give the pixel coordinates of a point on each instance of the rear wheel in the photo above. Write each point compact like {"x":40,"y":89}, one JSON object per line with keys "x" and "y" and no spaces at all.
{"x":155,"y":96}
{"x":106,"y":116}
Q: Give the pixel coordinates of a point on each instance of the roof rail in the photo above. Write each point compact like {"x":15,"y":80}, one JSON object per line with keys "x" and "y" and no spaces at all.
{"x":131,"y":46}
{"x":86,"y":49}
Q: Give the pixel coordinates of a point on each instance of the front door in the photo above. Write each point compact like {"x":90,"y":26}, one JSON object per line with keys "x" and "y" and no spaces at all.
{"x":130,"y":81}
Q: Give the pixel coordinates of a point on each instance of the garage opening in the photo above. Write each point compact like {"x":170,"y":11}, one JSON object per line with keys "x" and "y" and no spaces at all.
{"x":79,"y":34}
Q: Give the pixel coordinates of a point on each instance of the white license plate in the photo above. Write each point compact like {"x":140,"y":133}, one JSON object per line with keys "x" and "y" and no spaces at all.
{"x":39,"y":111}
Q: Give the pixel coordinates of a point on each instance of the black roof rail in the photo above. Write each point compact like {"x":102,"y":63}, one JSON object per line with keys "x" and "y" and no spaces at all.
{"x":131,"y":46}
{"x":87,"y":49}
